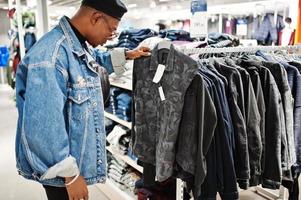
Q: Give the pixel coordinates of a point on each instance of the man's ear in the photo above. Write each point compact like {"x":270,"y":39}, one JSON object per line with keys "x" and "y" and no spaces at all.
{"x":95,"y":17}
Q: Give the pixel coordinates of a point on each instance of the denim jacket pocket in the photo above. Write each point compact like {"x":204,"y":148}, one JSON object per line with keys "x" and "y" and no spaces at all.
{"x":79,"y":107}
{"x":79,"y":96}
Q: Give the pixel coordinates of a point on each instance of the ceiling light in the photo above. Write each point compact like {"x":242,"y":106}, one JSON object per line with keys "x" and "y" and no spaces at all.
{"x":49,"y":3}
{"x":163,"y":0}
{"x":153,"y":4}
{"x":133,"y":5}
{"x":5,"y":8}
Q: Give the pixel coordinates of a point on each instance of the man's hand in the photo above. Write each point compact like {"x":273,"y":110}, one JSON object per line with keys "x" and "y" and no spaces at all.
{"x":78,"y":189}
{"x":137,"y":53}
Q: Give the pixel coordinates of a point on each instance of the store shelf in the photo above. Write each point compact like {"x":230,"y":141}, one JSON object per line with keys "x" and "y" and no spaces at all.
{"x":113,"y":192}
{"x":126,"y":159}
{"x":121,"y":83}
{"x":119,"y":121}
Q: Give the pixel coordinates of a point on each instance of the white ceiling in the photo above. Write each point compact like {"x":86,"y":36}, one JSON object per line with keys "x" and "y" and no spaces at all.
{"x":170,"y":9}
{"x":140,"y":3}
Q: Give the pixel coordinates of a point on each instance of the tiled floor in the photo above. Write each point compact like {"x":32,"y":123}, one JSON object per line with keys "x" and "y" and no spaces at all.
{"x":13,"y":186}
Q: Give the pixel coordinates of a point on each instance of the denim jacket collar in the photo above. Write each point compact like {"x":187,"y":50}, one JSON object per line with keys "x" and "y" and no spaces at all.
{"x":154,"y":62}
{"x":71,"y":37}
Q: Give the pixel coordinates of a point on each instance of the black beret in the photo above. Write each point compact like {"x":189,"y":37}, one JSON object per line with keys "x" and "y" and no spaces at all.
{"x":114,"y":8}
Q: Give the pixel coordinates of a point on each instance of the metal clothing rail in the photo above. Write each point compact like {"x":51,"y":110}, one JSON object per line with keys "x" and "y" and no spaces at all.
{"x":209,"y":50}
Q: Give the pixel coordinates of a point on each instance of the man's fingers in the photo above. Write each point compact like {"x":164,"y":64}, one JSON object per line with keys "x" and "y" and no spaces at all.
{"x":145,"y":53}
{"x":144,"y":49}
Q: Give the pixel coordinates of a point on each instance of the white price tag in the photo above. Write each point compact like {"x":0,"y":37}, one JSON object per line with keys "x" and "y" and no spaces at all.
{"x":162,"y":96}
{"x":159,"y":73}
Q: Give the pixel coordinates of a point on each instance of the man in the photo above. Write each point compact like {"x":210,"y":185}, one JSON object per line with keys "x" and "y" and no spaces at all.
{"x":60,"y":139}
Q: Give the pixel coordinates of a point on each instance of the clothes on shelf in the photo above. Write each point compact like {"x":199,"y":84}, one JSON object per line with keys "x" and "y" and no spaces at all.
{"x":175,"y":35}
{"x":120,"y":102}
{"x":119,"y":139}
{"x":131,"y":38}
{"x":122,"y":174}
{"x":218,"y":40}
{"x":218,"y":121}
{"x":109,"y":125}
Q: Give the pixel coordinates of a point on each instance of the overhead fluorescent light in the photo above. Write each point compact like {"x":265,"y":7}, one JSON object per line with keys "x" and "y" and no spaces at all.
{"x":5,"y":8}
{"x":164,"y":0}
{"x":133,"y":5}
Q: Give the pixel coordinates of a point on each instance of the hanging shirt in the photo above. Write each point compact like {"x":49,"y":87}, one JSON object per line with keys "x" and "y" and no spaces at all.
{"x":156,"y":119}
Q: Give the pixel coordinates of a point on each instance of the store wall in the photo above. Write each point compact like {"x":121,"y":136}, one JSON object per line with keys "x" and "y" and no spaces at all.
{"x":4,"y":27}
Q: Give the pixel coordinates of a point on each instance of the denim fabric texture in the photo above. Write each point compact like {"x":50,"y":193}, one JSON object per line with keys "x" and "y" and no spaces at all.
{"x":60,"y":128}
{"x":175,"y":35}
{"x":131,"y":38}
{"x":29,"y":40}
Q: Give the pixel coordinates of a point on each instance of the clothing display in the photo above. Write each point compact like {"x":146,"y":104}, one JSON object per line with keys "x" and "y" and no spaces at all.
{"x":154,"y":100}
{"x":150,"y":116}
{"x":119,"y":139}
{"x":120,"y":103}
{"x":122,"y":174}
{"x":179,"y":35}
{"x":218,"y":40}
{"x":237,"y":120}
{"x":131,"y":38}
{"x":268,"y":30}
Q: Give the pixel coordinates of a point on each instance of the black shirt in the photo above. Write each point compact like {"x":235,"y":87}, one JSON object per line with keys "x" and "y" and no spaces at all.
{"x":79,"y":36}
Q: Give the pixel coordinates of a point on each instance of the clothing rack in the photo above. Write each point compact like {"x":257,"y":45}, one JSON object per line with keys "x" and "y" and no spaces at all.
{"x":241,"y":49}
{"x":291,"y":48}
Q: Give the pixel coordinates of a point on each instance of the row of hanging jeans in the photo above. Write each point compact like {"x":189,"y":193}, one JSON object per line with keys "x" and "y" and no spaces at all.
{"x":218,"y":121}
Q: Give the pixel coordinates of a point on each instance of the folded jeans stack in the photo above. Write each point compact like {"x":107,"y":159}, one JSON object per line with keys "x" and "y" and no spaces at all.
{"x":124,"y":105}
{"x":120,"y":104}
{"x":122,"y":174}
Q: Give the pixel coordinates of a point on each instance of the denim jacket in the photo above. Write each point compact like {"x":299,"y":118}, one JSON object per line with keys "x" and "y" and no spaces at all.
{"x":60,"y":130}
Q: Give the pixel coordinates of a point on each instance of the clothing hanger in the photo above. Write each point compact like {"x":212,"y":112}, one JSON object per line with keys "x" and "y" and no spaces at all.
{"x":164,"y":44}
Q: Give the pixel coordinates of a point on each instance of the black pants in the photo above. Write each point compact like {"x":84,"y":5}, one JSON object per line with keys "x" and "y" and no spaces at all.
{"x":56,"y":193}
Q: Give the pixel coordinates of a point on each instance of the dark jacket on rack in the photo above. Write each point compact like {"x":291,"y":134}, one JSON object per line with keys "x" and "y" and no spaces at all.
{"x":220,"y":166}
{"x":271,"y":165}
{"x":254,"y":122}
{"x":294,"y":80}
{"x":156,"y":121}
{"x":280,"y":76}
{"x":195,"y":133}
{"x":235,"y":98}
